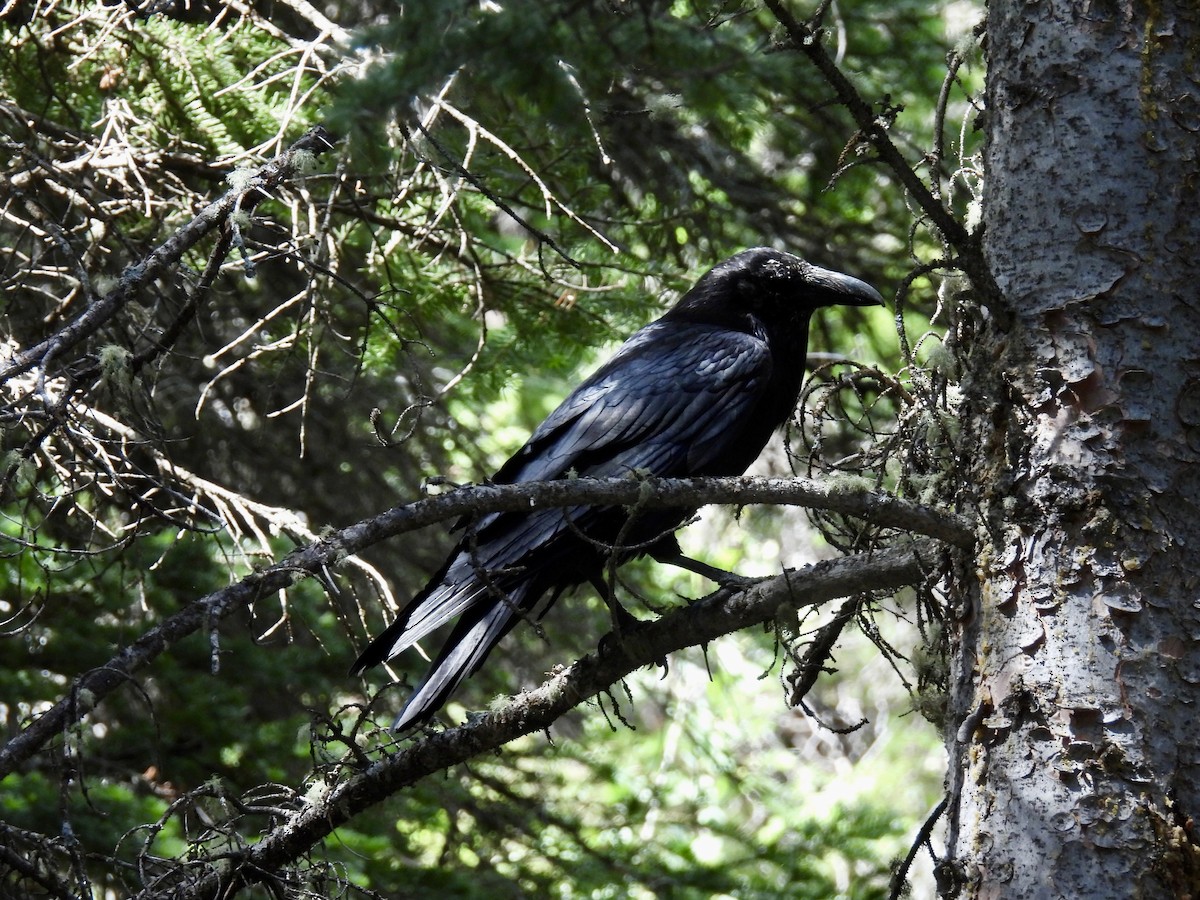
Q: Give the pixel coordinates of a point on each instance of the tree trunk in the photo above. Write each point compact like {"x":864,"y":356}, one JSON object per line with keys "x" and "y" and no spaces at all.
{"x":1076,"y":754}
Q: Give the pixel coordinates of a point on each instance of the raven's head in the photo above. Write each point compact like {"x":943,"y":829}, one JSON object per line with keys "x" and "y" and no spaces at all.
{"x":771,"y":285}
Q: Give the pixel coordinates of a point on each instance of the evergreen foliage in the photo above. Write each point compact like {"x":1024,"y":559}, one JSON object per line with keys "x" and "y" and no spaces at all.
{"x":519,"y":185}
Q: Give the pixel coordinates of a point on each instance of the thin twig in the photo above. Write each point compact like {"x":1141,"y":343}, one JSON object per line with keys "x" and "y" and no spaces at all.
{"x":900,"y":876}
{"x":168,"y":253}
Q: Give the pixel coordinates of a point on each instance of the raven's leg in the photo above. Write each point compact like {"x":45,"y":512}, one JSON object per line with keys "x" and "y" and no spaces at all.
{"x":623,"y":620}
{"x":726,"y":580}
{"x":667,"y":551}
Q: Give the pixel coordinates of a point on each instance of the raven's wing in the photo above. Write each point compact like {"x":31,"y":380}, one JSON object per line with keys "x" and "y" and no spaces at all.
{"x":673,"y":401}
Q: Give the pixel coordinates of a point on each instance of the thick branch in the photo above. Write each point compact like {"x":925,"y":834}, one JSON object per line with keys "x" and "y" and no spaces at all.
{"x":696,"y":624}
{"x":93,"y":686}
{"x":659,"y":493}
{"x":245,"y":196}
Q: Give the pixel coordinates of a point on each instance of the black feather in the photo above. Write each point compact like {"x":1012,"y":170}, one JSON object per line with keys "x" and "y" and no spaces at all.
{"x":697,"y":392}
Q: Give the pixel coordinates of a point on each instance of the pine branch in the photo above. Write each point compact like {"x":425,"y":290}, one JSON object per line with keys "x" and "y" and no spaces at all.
{"x":91,"y":687}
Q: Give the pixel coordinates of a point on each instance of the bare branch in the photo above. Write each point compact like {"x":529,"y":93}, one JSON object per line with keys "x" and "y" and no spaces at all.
{"x":699,"y":623}
{"x":659,"y":493}
{"x":333,"y":550}
{"x":242,"y":197}
{"x":806,"y":39}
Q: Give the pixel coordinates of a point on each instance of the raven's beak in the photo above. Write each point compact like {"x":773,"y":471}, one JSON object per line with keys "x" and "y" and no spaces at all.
{"x":843,"y":290}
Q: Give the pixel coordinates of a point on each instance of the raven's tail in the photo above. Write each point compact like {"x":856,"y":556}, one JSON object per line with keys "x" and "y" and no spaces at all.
{"x":441,"y":601}
{"x":468,"y":645}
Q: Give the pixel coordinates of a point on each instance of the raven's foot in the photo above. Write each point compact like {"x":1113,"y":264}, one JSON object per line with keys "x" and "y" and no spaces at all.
{"x":624,"y":624}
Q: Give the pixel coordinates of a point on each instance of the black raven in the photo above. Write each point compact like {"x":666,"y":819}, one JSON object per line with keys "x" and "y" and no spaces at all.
{"x":697,"y":392}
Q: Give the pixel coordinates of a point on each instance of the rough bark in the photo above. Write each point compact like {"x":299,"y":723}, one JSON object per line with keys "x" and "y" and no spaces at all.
{"x":1075,"y":768}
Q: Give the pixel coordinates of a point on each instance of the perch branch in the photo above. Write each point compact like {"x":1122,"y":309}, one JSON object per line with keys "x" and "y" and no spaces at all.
{"x":93,"y":686}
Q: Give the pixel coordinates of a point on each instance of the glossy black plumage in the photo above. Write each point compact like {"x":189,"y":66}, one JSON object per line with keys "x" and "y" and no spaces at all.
{"x":697,"y":392}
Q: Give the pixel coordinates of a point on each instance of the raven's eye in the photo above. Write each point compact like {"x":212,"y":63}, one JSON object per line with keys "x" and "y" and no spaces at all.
{"x":775,"y":270}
